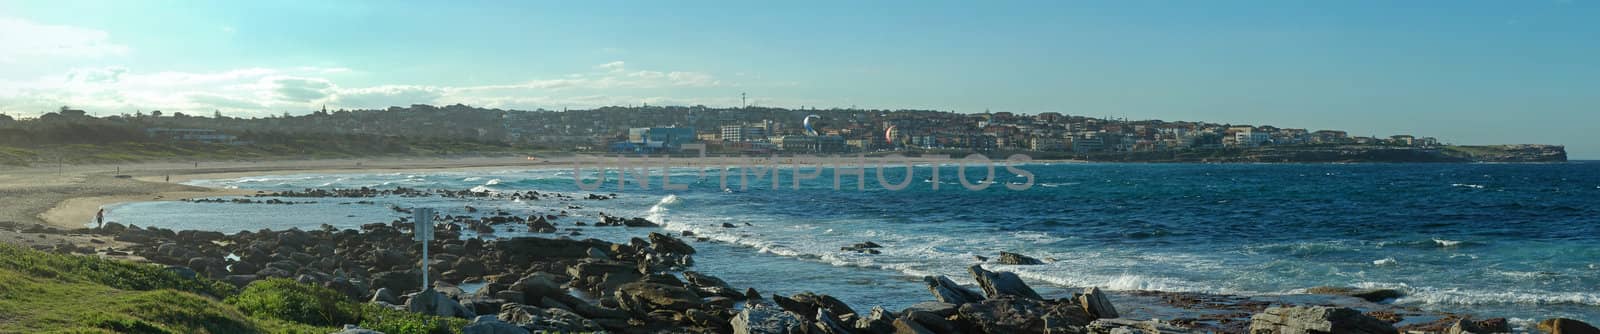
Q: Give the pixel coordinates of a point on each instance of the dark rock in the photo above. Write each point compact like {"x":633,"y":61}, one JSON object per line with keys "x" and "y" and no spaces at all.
{"x":1017,"y":259}
{"x":488,"y":324}
{"x":434,"y":303}
{"x":667,"y":244}
{"x":763,"y":319}
{"x":997,"y":284}
{"x":546,"y":320}
{"x":483,"y":305}
{"x":644,"y":297}
{"x":537,"y":286}
{"x":921,"y":322}
{"x":947,"y":291}
{"x":878,"y":321}
{"x":1316,"y":319}
{"x":1566,"y":326}
{"x":1371,"y":295}
{"x":1095,"y":303}
{"x":243,"y":268}
{"x":410,"y":280}
{"x":639,"y":222}
{"x":708,"y":285}
{"x":937,"y":308}
{"x":524,"y":249}
{"x":602,"y":275}
{"x":1108,"y":326}
{"x":828,"y":323}
{"x":729,"y":225}
{"x":706,"y":319}
{"x":1012,"y":314}
{"x":598,"y":254}
{"x":240,"y":280}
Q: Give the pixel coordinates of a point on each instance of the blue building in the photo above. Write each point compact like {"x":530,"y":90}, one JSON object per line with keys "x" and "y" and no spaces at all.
{"x":657,"y":140}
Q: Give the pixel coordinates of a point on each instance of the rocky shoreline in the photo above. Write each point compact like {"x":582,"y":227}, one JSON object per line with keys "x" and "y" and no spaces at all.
{"x":648,"y":285}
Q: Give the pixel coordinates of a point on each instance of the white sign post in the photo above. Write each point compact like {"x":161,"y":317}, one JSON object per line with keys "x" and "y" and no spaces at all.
{"x":423,"y":231}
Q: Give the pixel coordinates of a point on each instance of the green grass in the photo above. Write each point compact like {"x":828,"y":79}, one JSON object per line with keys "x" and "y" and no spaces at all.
{"x":50,"y":293}
{"x":284,"y":299}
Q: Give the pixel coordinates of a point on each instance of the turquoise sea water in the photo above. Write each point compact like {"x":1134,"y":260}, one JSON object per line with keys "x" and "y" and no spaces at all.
{"x":1511,"y":240}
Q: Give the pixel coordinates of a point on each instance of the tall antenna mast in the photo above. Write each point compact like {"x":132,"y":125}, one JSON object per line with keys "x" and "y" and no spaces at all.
{"x":742,"y":103}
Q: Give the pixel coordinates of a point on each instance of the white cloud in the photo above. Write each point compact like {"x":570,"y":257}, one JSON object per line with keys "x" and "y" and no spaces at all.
{"x":613,"y":67}
{"x":22,"y":40}
{"x":266,"y":91}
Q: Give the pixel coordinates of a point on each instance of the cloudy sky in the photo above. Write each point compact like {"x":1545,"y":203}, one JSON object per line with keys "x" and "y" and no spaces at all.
{"x":1464,"y":71}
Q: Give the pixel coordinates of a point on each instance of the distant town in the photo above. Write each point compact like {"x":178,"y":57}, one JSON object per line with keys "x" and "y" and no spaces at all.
{"x":740,"y":130}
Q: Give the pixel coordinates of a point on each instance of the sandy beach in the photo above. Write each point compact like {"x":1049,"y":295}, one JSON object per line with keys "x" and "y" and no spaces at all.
{"x":67,"y":197}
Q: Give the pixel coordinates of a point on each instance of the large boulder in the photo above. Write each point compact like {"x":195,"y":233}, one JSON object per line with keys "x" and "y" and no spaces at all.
{"x":1121,"y":326}
{"x":546,"y":319}
{"x":996,"y":284}
{"x":1566,"y":326}
{"x":538,"y":285}
{"x":764,"y":319}
{"x":1095,"y":303}
{"x":602,"y":275}
{"x":708,"y":285}
{"x":409,"y":280}
{"x":947,"y":291}
{"x":663,"y":243}
{"x":1316,"y":320}
{"x":937,"y":308}
{"x":1371,"y":295}
{"x":829,"y":323}
{"x":924,"y":322}
{"x":522,"y":249}
{"x":488,"y":324}
{"x":470,"y":267}
{"x":434,"y":303}
{"x":1486,"y":326}
{"x":384,"y":295}
{"x":877,"y":321}
{"x":707,"y":320}
{"x":642,"y":297}
{"x":1017,"y":259}
{"x":1013,"y":314}
{"x":806,"y":304}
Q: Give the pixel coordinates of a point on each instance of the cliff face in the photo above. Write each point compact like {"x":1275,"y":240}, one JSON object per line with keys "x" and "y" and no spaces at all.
{"x":1510,"y":153}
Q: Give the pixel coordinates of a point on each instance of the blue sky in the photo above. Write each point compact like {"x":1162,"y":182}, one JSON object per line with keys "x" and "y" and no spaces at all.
{"x":1471,"y":72}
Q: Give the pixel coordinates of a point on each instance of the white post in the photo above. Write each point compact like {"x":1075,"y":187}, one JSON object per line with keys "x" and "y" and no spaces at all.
{"x":423,"y":231}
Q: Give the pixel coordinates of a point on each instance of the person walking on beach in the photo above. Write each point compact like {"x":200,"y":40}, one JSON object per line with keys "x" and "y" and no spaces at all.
{"x":100,"y":218}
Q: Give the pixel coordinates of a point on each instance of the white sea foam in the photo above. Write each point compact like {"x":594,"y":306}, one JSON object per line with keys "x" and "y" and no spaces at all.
{"x":1466,"y":185}
{"x":492,"y":182}
{"x":1446,"y":243}
{"x":1388,"y":261}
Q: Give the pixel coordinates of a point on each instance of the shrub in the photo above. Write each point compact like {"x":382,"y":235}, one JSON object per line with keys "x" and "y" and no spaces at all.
{"x":289,"y":300}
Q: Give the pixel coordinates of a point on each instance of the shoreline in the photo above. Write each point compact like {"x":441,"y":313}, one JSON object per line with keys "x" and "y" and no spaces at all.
{"x":68,"y":196}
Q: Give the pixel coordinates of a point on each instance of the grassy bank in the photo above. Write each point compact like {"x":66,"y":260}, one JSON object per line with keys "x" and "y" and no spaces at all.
{"x":45,"y":292}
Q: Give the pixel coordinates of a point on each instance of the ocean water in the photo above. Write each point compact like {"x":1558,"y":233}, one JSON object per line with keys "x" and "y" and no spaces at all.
{"x":1508,"y":240}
